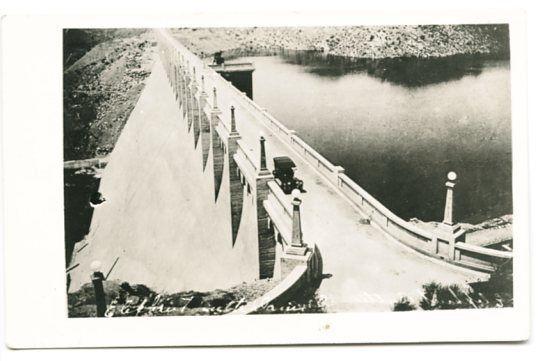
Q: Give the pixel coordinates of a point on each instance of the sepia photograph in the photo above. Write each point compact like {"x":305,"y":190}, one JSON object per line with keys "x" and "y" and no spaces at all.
{"x":226,"y":179}
{"x":281,"y":170}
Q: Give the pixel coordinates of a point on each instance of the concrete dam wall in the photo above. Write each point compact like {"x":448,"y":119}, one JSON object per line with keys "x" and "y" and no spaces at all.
{"x":161,"y":217}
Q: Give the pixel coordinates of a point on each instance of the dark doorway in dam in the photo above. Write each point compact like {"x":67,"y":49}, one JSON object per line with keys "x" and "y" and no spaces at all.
{"x":239,"y":74}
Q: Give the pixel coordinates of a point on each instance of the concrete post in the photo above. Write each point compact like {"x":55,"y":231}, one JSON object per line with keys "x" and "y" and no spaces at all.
{"x":204,"y":125}
{"x":453,"y":231}
{"x":97,"y":281}
{"x":263,"y":158}
{"x":184,"y":90}
{"x":203,"y":86}
{"x":172,"y":66}
{"x":449,"y":208}
{"x":177,"y":80}
{"x":233,"y":121}
{"x":176,"y":77}
{"x":235,"y":187}
{"x":195,"y":109}
{"x":214,"y":98}
{"x":338,"y":170}
{"x":217,"y":151}
{"x":169,"y":63}
{"x":296,"y":247}
{"x":265,"y":234}
{"x":181,"y":83}
{"x":297,"y":235}
{"x":187,"y":106}
{"x":434,"y":244}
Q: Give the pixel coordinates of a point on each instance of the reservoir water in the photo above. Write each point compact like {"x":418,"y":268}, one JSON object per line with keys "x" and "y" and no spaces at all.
{"x":399,"y":126}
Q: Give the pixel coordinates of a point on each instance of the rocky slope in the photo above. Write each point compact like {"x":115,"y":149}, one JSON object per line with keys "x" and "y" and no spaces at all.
{"x":373,"y":42}
{"x":101,"y":86}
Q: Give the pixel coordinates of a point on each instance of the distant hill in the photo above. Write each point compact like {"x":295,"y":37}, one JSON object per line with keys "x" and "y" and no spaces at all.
{"x":77,"y":42}
{"x":374,"y":42}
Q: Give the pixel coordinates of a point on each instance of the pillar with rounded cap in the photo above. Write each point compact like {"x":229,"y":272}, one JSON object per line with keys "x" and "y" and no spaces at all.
{"x":297,"y":235}
{"x":449,"y":208}
{"x":452,"y":231}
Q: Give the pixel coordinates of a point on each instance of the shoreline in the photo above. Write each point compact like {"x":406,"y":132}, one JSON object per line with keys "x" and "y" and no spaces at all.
{"x":488,"y":233}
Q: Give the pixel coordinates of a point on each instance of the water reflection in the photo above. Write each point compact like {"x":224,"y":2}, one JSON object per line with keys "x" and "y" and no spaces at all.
{"x":408,"y":72}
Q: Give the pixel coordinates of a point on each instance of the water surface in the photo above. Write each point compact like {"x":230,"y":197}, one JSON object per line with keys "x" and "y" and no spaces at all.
{"x":399,"y":126}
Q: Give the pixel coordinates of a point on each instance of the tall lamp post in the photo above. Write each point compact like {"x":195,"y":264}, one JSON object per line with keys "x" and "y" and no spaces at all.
{"x":449,"y":207}
{"x":452,"y":230}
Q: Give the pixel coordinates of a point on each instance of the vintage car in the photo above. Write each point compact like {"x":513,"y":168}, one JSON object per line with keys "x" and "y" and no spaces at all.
{"x":284,"y":174}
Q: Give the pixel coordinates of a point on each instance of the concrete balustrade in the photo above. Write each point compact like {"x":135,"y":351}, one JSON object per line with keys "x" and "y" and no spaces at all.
{"x":281,"y":198}
{"x":248,"y":156}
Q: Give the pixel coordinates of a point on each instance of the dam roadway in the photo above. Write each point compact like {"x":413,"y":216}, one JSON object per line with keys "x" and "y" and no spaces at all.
{"x":154,"y":193}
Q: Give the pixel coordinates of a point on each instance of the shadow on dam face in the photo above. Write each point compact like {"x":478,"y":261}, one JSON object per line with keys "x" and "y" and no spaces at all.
{"x":205,"y":131}
{"x":168,"y":217}
{"x":218,"y":158}
{"x":78,"y":211}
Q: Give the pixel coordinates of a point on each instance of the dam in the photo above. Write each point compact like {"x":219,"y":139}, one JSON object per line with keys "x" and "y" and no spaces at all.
{"x":191,"y":204}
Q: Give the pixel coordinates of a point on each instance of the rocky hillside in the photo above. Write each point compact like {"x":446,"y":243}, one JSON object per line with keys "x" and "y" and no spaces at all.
{"x":104,"y":74}
{"x":77,"y":42}
{"x":372,"y":42}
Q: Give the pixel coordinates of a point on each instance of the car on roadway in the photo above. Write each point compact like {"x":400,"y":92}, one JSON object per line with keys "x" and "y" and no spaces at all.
{"x":284,"y":173}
